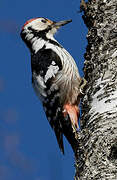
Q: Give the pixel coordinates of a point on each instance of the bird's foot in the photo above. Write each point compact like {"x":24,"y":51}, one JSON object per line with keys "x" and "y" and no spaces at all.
{"x":83,"y":85}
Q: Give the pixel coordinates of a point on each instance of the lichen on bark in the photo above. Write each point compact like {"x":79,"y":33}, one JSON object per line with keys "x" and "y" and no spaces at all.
{"x":96,"y":153}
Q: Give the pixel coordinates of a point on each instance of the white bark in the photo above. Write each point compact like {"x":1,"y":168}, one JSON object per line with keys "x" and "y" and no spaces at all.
{"x":96,"y":156}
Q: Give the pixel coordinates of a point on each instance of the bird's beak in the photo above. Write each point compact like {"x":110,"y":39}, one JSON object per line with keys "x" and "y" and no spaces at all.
{"x":60,"y":23}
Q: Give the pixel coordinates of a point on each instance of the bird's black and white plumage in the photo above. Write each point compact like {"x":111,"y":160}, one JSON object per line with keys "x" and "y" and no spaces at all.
{"x":55,"y":76}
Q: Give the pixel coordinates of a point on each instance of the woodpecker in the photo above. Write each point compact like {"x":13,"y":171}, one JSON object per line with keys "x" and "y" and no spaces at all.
{"x":55,"y":76}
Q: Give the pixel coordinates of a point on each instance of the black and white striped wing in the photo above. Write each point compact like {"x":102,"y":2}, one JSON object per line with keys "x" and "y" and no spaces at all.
{"x":46,"y":64}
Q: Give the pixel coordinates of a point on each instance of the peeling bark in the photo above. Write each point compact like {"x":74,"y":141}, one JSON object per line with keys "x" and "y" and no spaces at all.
{"x":96,"y":153}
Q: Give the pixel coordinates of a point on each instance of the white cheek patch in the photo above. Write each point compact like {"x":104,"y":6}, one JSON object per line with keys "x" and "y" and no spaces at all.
{"x":29,"y":36}
{"x":51,"y":72}
{"x":50,"y":34}
{"x":37,"y":44}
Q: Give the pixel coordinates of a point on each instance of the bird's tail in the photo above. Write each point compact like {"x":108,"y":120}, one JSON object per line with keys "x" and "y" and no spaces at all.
{"x":59,"y":136}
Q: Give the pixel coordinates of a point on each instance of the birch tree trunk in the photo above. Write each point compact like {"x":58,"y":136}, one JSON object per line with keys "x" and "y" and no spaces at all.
{"x":96,"y":153}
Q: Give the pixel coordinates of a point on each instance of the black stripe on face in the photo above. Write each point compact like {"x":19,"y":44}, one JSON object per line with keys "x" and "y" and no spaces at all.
{"x":37,"y":34}
{"x":42,"y":34}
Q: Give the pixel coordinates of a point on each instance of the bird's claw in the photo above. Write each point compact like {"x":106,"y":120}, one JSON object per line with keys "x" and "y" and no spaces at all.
{"x":83,"y":85}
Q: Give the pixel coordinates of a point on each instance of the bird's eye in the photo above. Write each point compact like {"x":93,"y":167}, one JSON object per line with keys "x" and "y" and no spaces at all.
{"x":29,"y":28}
{"x":44,"y":21}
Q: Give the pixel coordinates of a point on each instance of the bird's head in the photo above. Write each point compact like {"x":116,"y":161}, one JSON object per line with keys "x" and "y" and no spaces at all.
{"x":41,"y":28}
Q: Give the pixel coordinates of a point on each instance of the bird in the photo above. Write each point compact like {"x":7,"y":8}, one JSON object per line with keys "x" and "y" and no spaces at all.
{"x":55,"y":75}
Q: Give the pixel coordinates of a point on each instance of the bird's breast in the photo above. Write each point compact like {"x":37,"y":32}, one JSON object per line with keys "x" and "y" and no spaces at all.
{"x":68,"y":79}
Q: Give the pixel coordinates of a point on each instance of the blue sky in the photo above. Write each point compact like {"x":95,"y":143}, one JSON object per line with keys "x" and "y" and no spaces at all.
{"x":28,"y":145}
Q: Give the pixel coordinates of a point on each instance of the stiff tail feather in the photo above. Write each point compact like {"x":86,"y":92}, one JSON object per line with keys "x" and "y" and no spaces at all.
{"x":59,"y":136}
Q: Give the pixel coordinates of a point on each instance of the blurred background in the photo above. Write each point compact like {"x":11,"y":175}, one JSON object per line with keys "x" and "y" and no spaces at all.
{"x":28,"y":147}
